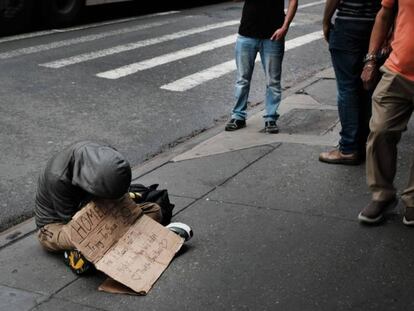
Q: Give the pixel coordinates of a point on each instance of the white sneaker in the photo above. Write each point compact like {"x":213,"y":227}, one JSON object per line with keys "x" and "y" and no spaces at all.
{"x":181,"y":229}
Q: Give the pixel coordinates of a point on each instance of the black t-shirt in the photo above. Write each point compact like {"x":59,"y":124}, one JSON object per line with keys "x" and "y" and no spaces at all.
{"x":261,"y":18}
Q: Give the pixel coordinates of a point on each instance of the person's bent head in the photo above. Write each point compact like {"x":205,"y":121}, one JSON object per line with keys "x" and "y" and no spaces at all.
{"x":101,"y":171}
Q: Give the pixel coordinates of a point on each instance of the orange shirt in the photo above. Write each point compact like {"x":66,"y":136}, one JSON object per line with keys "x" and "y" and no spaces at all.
{"x":401,"y":59}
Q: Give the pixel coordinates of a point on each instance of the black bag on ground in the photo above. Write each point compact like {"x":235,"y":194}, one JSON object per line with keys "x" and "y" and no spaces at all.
{"x":151,"y":194}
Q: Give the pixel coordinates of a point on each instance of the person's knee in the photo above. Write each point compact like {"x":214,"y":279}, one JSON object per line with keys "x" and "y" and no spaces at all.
{"x":46,"y":243}
{"x":382,"y":135}
{"x":152,"y":210}
{"x":53,"y":238}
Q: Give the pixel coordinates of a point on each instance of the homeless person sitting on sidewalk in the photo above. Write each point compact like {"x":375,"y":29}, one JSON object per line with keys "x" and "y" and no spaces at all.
{"x":73,"y":177}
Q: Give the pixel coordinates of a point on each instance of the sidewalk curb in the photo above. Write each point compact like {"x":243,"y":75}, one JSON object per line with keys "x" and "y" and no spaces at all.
{"x":17,"y":232}
{"x":168,"y":155}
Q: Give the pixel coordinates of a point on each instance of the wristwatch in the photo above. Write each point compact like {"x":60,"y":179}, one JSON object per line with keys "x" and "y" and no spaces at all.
{"x":370,"y":57}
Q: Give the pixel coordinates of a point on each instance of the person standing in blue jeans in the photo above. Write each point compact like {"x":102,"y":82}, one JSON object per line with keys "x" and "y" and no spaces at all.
{"x":262,"y":30}
{"x":348,"y":40}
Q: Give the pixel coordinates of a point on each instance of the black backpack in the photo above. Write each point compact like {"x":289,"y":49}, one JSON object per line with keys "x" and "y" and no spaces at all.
{"x":151,"y":194}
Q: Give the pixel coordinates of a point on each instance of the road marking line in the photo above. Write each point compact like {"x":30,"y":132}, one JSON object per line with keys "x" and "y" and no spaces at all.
{"x":83,"y":39}
{"x":217,"y":71}
{"x":307,"y":5}
{"x":166,"y":58}
{"x":118,"y":49}
{"x":88,"y":26}
{"x":135,"y":45}
{"x":99,"y":24}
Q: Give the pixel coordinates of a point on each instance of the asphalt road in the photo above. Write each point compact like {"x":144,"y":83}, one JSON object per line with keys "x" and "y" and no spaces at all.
{"x":120,"y":82}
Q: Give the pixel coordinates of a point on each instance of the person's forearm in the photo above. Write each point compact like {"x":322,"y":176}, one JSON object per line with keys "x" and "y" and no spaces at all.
{"x":381,"y":29}
{"x":290,"y":14}
{"x":330,"y":8}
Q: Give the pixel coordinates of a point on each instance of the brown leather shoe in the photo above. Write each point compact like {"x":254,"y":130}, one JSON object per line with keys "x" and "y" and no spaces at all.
{"x":374,"y":212}
{"x":335,"y":156}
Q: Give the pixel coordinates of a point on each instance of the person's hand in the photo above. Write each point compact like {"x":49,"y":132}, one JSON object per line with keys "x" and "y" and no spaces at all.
{"x":369,"y":76}
{"x":279,"y":34}
{"x":326,"y":30}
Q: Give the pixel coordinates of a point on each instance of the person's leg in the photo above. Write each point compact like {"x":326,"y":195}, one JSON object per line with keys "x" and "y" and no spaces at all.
{"x":54,"y":239}
{"x":408,"y":199}
{"x":365,"y":112}
{"x":246,"y":51}
{"x":347,"y":81}
{"x":152,"y":210}
{"x":347,"y":71}
{"x":391,"y":110}
{"x":408,"y":194}
{"x":271,"y":53}
{"x":348,"y":44}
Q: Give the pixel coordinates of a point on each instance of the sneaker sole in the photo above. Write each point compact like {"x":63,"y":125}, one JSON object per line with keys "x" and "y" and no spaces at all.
{"x":181,"y":229}
{"x":408,"y":222}
{"x":367,"y":220}
{"x":341,"y":161}
{"x":234,"y":129}
{"x":272,"y":131}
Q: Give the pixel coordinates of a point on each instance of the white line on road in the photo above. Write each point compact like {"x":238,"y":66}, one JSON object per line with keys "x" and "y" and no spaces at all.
{"x":83,"y":39}
{"x":135,"y":45}
{"x":166,"y":58}
{"x":307,"y":5}
{"x":88,"y":26}
{"x":217,"y":71}
{"x":123,"y":48}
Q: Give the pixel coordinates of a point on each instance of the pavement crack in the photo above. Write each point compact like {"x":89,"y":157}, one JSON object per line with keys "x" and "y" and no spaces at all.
{"x":150,"y":171}
{"x":284,"y":210}
{"x":11,"y":242}
{"x":83,"y":305}
{"x":23,"y":289}
{"x":54,"y":293}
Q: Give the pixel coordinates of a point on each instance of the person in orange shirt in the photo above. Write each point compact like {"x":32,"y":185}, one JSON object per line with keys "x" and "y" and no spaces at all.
{"x":392,"y":106}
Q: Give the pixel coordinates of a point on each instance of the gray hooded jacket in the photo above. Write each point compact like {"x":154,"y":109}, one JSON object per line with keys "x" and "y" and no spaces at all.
{"x":74,"y":176}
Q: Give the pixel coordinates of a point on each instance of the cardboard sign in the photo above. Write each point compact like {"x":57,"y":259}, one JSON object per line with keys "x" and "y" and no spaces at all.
{"x":123,"y":243}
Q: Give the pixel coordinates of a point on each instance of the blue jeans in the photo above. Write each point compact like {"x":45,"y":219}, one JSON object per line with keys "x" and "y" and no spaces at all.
{"x":348,"y":44}
{"x":271,"y":54}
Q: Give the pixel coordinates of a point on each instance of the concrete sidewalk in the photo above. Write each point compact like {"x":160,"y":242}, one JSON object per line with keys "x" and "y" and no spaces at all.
{"x":274,"y":228}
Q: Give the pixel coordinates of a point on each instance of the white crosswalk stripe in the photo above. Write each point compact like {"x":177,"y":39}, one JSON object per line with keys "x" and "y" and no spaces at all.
{"x":132,"y":46}
{"x":180,"y":85}
{"x":307,"y":5}
{"x":217,"y":71}
{"x":121,"y":48}
{"x":87,"y":26}
{"x":83,"y":39}
{"x":166,"y":58}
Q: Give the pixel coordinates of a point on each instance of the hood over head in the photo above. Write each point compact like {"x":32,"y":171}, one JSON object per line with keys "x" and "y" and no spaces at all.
{"x":101,"y":171}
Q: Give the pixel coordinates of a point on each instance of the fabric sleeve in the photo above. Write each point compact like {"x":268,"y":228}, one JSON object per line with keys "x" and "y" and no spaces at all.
{"x":64,"y":200}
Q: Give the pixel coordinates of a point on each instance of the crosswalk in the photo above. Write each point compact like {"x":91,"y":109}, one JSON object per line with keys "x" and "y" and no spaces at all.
{"x":217,"y":71}
{"x":181,"y":84}
{"x":133,"y":46}
{"x":167,"y":58}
